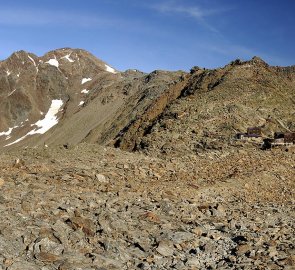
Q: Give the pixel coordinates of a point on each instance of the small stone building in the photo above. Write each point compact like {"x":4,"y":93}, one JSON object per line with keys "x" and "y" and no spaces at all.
{"x":279,"y":135}
{"x":289,"y":137}
{"x":286,"y":137}
{"x":280,"y":139}
{"x":254,"y":132}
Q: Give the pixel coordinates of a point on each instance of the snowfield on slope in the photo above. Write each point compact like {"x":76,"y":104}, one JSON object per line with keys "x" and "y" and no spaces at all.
{"x":68,"y":58}
{"x":46,"y":123}
{"x":8,"y":132}
{"x":85,"y":80}
{"x":53,"y":62}
{"x":85,"y":91}
{"x":110,"y":69}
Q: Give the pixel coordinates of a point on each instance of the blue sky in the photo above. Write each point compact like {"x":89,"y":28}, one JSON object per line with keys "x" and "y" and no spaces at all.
{"x":153,"y":34}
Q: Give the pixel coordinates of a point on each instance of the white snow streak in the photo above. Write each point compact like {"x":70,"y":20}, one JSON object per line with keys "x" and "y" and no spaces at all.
{"x":18,"y":140}
{"x":53,"y":62}
{"x":11,"y":92}
{"x":8,"y":132}
{"x":110,"y":69}
{"x":33,"y":62}
{"x":81,"y":103}
{"x":68,"y":58}
{"x":85,"y":91}
{"x":85,"y":80}
{"x":46,"y":123}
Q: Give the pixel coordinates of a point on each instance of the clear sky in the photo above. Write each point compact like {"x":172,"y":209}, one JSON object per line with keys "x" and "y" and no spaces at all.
{"x":153,"y":34}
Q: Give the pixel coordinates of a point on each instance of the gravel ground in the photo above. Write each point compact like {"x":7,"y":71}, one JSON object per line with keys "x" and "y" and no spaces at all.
{"x":91,"y":207}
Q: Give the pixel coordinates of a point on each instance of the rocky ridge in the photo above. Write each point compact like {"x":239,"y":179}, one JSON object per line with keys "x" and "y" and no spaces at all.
{"x":214,"y":105}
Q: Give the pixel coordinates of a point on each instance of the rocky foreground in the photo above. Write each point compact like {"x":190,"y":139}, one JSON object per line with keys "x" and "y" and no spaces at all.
{"x":90,"y":207}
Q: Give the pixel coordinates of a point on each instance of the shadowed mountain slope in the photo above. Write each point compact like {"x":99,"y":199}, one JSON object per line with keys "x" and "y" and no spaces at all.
{"x":214,"y":105}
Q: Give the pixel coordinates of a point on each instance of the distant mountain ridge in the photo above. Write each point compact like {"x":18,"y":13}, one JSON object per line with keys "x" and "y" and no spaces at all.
{"x":70,"y":96}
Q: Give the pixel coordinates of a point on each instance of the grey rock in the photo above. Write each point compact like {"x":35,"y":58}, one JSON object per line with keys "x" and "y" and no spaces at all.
{"x":48,"y":246}
{"x":109,"y":263}
{"x":165,"y":248}
{"x":180,"y":237}
{"x":23,"y":265}
{"x":101,"y":178}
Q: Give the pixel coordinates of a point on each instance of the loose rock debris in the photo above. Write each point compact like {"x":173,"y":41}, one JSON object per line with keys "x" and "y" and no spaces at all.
{"x":77,"y":209}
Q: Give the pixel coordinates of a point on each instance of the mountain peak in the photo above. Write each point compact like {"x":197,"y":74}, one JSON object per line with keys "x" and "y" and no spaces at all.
{"x":258,"y":61}
{"x":19,"y":55}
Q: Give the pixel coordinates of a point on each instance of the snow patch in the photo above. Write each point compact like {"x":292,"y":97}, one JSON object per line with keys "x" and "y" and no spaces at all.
{"x":50,"y":118}
{"x":53,"y":62}
{"x":68,"y":58}
{"x":32,"y":60}
{"x":11,"y":92}
{"x":81,"y":103}
{"x":18,"y":75}
{"x":110,"y":69}
{"x":8,"y":72}
{"x":85,"y":80}
{"x":46,"y":123}
{"x":85,"y":91}
{"x":7,"y":133}
{"x":18,"y":140}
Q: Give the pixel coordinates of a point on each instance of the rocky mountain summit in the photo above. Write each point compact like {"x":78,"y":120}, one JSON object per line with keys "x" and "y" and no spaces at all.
{"x":52,"y":87}
{"x":104,"y":169}
{"x":67,"y":94}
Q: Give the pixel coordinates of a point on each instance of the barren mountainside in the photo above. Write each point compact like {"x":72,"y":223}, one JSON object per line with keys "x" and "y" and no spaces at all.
{"x":69,"y":96}
{"x":91,"y":96}
{"x":215,"y":105}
